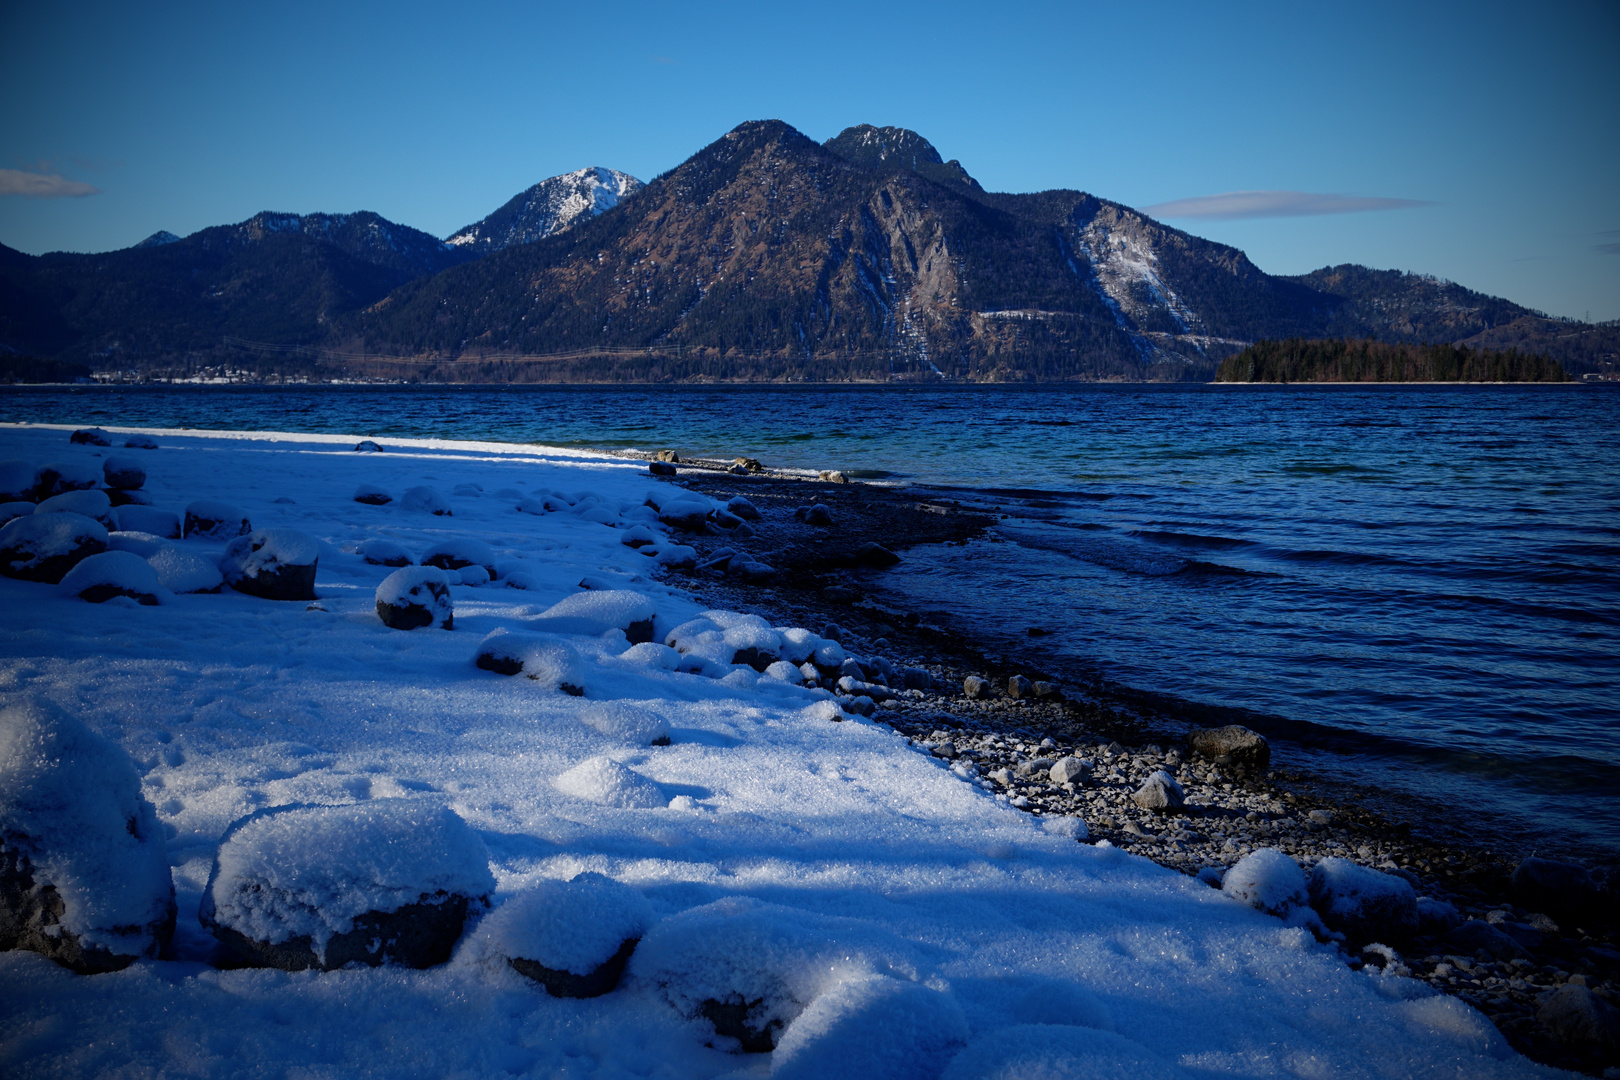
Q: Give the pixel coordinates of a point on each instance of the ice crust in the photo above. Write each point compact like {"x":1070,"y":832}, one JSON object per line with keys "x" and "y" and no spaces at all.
{"x":72,"y":801}
{"x":307,"y":871}
{"x":787,"y":856}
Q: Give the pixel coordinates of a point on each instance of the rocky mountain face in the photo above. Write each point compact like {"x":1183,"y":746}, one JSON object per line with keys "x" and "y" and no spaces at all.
{"x":547,"y":208}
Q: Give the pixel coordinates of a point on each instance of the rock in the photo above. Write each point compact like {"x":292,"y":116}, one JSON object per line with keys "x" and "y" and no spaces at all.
{"x":147,"y":519}
{"x":1362,"y":903}
{"x":416,"y":596}
{"x":1268,"y":880}
{"x":11,"y":511}
{"x":661,"y":468}
{"x":388,"y":881}
{"x":544,"y":660}
{"x":1564,"y":889}
{"x":385,"y":553}
{"x":572,"y":937}
{"x":858,"y":706}
{"x":139,"y":442}
{"x":91,"y":504}
{"x":916,"y":678}
{"x":832,"y":476}
{"x":214,"y":520}
{"x":272,"y":564}
{"x":595,"y":612}
{"x":850,"y":685}
{"x":690,"y":514}
{"x":1019,"y":687}
{"x":976,"y":688}
{"x":876,"y":1026}
{"x":90,"y":437}
{"x":44,"y":547}
{"x":60,"y":476}
{"x":1575,"y":1016}
{"x":461,"y":552}
{"x":815,"y":515}
{"x":946,"y":750}
{"x":669,"y":456}
{"x":743,"y":509}
{"x":366,"y":446}
{"x":84,"y":871}
{"x":746,"y":465}
{"x":128,"y":497}
{"x":99,"y":578}
{"x":1474,"y":935}
{"x":1232,"y":745}
{"x":1160,"y":792}
{"x":725,"y":519}
{"x":875,"y":555}
{"x":427,"y":500}
{"x":372,"y":495}
{"x":1436,"y":917}
{"x":1070,"y":770}
{"x":752,"y":571}
{"x":1036,"y":767}
{"x":742,"y":531}
{"x":123,"y":472}
{"x":182,"y":571}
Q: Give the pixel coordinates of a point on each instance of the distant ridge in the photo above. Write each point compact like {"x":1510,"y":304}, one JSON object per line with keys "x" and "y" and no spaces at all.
{"x":546,"y":209}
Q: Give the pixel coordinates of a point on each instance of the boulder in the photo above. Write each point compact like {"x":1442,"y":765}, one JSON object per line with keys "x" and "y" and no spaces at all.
{"x":372,"y":495}
{"x":875,"y":555}
{"x":416,"y":596}
{"x":638,"y":536}
{"x":19,"y":482}
{"x":1070,"y":770}
{"x":1436,"y":917}
{"x":743,"y":508}
{"x":44,"y":547}
{"x":815,"y":515}
{"x":572,"y":937}
{"x":92,"y":504}
{"x":1564,"y":889}
{"x":272,"y":564}
{"x":427,"y":500}
{"x":387,"y":881}
{"x":1020,"y":688}
{"x":1231,"y":745}
{"x":599,"y":611}
{"x":832,"y":476}
{"x":60,"y":476}
{"x":1474,"y":935}
{"x":90,"y":437}
{"x":1046,"y":691}
{"x":123,"y":472}
{"x":385,"y":553}
{"x":139,"y":442}
{"x":661,"y":468}
{"x":214,"y":520}
{"x":916,"y":678}
{"x":101,"y":577}
{"x":1268,"y":880}
{"x":182,"y":571}
{"x":460,"y":552}
{"x":976,"y":688}
{"x":148,"y":519}
{"x":128,"y":497}
{"x":1160,"y":792}
{"x":84,"y":871}
{"x":1576,"y":1017}
{"x":366,"y":446}
{"x":751,"y":571}
{"x":686,"y":514}
{"x":669,"y":456}
{"x":1362,"y":903}
{"x":11,"y":511}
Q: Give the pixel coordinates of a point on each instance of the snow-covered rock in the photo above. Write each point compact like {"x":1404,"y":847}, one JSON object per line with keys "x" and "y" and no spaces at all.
{"x":1058,"y":1052}
{"x":460,"y":552}
{"x":140,"y":442}
{"x":19,"y":482}
{"x":415,"y":596}
{"x":59,"y":476}
{"x":872,"y":1027}
{"x":84,"y":871}
{"x":573,"y":937}
{"x":427,"y":500}
{"x":1362,"y":903}
{"x":149,"y":519}
{"x":543,"y":659}
{"x":215,"y":520}
{"x":599,"y":611}
{"x":372,"y":495}
{"x":11,"y":511}
{"x":44,"y":547}
{"x":272,"y":564}
{"x":628,"y":723}
{"x":388,"y":881}
{"x":90,"y":437}
{"x":181,"y":571}
{"x":385,"y":553}
{"x":606,"y":782}
{"x":743,"y":508}
{"x":1161,"y":792}
{"x":91,"y":503}
{"x":1269,"y":880}
{"x":101,"y":577}
{"x":123,"y":472}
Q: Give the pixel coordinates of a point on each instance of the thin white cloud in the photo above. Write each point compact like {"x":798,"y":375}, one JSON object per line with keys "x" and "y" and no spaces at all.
{"x":1264,"y":204}
{"x":33,"y":185}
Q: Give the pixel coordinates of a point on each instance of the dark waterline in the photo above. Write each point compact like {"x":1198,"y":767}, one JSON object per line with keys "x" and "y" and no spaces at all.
{"x":1417,"y":582}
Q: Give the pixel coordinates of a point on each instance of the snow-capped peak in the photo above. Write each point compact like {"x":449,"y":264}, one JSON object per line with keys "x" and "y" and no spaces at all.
{"x":547,"y":208}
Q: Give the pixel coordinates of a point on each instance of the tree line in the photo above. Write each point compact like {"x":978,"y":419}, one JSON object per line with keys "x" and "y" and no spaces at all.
{"x":1369,"y":361}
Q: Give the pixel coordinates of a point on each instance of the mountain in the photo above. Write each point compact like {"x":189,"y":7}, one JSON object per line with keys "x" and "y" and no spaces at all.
{"x":883,"y":147}
{"x":275,"y":277}
{"x":158,"y":239}
{"x":547,"y":208}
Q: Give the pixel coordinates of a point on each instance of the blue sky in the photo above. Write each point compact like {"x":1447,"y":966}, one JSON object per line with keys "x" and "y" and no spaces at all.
{"x":1501,"y":123}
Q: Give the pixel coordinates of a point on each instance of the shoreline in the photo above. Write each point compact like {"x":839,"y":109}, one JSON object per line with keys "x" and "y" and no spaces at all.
{"x":1128,"y":734}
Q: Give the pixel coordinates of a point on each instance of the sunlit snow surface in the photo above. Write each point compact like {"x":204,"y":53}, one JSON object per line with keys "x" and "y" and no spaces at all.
{"x":841,"y":831}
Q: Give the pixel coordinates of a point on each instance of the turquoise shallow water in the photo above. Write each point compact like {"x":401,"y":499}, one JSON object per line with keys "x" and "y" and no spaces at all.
{"x":1418,"y":582}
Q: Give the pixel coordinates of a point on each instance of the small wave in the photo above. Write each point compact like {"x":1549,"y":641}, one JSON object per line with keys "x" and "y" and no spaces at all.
{"x":1195,"y":540}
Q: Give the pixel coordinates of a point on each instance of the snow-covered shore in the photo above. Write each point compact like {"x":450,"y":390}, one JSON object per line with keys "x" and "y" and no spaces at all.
{"x":874,"y":861}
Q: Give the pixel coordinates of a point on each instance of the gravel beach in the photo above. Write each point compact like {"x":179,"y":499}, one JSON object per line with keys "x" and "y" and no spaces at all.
{"x":1547,"y":978}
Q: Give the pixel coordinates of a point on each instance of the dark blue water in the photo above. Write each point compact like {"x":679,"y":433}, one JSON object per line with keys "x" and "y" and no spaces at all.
{"x":1417,"y":585}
